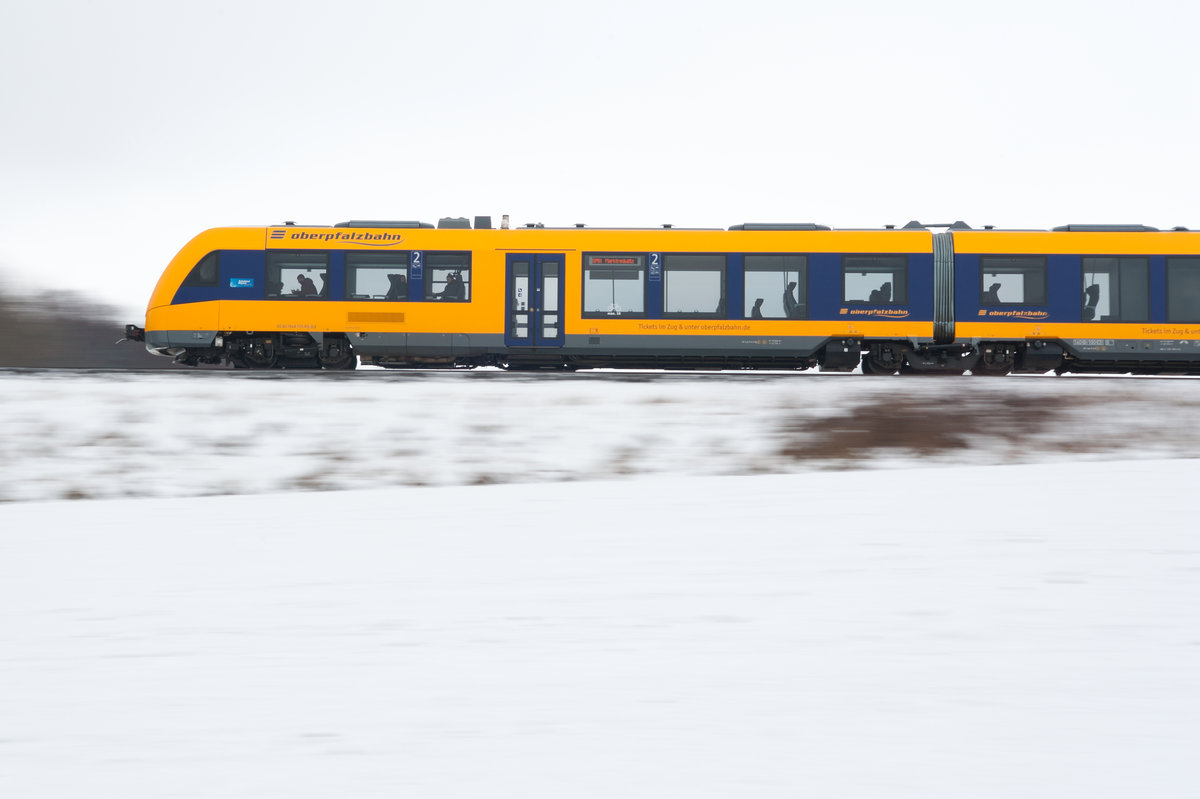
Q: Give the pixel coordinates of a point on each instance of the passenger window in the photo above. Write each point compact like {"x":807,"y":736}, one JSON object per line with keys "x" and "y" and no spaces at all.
{"x":448,"y":276}
{"x":694,"y":285}
{"x":297,"y":275}
{"x":875,"y":279}
{"x":1116,"y":289}
{"x":776,"y":287}
{"x":1012,"y":280}
{"x":204,"y":273}
{"x":1183,"y":289}
{"x":377,"y":275}
{"x":614,"y":285}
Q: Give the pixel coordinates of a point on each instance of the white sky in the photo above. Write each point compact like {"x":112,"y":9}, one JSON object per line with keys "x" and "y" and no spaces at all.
{"x":130,"y":126}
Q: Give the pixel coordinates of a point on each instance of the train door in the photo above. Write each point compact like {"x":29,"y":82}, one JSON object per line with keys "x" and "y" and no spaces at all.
{"x":535,"y":300}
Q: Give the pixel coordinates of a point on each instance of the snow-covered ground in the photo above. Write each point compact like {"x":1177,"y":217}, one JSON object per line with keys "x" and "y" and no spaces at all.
{"x":205,"y":433}
{"x":938,"y":628}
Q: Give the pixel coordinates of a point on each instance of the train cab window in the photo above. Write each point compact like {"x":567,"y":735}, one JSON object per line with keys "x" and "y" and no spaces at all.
{"x":297,"y":275}
{"x":614,"y":285}
{"x":1116,"y":290}
{"x":377,"y":275}
{"x":1012,"y":280}
{"x":875,"y":279}
{"x":1183,"y":289}
{"x":694,"y":286}
{"x":203,"y":273}
{"x":448,"y":276}
{"x":776,"y":287}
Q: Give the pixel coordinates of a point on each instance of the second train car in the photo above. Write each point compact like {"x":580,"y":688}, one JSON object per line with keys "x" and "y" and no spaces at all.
{"x":937,"y":299}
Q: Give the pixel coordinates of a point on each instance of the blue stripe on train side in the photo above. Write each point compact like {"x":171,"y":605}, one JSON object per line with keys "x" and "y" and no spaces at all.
{"x":242,"y":275}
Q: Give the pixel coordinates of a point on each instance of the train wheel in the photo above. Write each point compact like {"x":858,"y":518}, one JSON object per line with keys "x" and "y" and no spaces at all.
{"x":260,"y":355}
{"x":346,"y":360}
{"x":995,"y":360}
{"x":883,"y":359}
{"x":260,"y":361}
{"x":337,"y":354}
{"x":871,"y":366}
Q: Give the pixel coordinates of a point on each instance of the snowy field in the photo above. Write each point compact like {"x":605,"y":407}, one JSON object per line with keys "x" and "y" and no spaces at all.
{"x":581,"y":587}
{"x":204,"y":433}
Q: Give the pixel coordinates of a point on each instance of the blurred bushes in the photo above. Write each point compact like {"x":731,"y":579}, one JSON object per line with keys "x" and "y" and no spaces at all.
{"x":66,"y":331}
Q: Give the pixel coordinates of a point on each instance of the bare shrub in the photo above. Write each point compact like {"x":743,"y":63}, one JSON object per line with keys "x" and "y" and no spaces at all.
{"x":922,"y":425}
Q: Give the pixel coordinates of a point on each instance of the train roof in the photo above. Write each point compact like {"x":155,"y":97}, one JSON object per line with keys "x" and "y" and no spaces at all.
{"x":485,"y":223}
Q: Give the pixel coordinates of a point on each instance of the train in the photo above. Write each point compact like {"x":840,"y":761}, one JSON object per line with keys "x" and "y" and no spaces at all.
{"x":913,"y":298}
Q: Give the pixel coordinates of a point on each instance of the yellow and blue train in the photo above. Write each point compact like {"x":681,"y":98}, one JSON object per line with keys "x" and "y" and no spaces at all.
{"x":938,"y":298}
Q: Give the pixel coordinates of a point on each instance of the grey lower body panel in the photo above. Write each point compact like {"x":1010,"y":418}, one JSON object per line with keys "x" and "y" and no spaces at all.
{"x":162,"y":342}
{"x":460,"y":345}
{"x":1126,"y":349}
{"x":741,"y":346}
{"x":582,"y":349}
{"x":425,"y":345}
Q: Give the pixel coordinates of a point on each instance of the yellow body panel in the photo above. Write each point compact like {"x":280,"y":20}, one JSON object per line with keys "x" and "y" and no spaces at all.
{"x":1086,"y":330}
{"x":1042,"y":242}
{"x":357,"y":317}
{"x":601,"y":240}
{"x":762,"y":328}
{"x":191,"y":316}
{"x":245,"y":238}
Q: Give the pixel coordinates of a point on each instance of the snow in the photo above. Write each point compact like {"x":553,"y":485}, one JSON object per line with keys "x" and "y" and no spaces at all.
{"x":205,"y":433}
{"x":924,"y":627}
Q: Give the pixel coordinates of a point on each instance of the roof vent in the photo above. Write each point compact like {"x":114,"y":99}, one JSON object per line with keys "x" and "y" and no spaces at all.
{"x":778,"y":226}
{"x":913,"y":225}
{"x":1104,"y":229}
{"x":483,"y":223}
{"x":454,"y":223}
{"x":383,"y":223}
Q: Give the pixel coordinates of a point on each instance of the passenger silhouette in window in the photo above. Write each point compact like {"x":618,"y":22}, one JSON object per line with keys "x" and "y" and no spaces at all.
{"x":992,"y":295}
{"x":756,"y":311}
{"x":1091,"y":298}
{"x":398,"y":290}
{"x":882,"y":294}
{"x":455,"y":289}
{"x":324,"y":284}
{"x":307,"y":287}
{"x":791,"y":308}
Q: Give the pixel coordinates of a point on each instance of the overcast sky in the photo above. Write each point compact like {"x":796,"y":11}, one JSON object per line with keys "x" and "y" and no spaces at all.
{"x":129,"y":126}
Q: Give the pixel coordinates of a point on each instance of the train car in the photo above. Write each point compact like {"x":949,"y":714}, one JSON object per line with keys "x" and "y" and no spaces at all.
{"x":790,"y":296}
{"x":1079,"y":298}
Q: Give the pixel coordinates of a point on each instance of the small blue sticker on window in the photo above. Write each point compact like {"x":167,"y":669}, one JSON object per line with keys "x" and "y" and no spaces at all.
{"x":241,"y":282}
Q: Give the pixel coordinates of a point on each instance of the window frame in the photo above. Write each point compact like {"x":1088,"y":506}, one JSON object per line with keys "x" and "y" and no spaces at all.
{"x":428,"y":266}
{"x":1119,"y":293}
{"x":1042,"y":267}
{"x":903,"y":269}
{"x":720,"y":308}
{"x":748,"y":296}
{"x":351,"y":270}
{"x":643,"y":268}
{"x":1170,"y":261}
{"x":195,"y":278}
{"x":273,"y":274}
